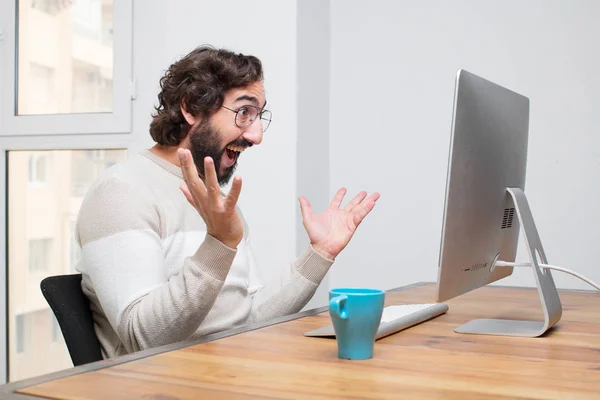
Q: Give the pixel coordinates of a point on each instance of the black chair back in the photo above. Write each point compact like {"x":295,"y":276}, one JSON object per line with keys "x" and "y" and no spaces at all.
{"x":72,"y":310}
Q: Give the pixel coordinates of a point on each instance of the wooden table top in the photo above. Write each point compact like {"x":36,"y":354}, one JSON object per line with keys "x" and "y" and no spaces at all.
{"x":427,"y":361}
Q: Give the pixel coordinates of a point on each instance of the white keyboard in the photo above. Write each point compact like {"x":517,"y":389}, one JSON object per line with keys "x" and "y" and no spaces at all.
{"x":395,"y":319}
{"x":394,"y":312}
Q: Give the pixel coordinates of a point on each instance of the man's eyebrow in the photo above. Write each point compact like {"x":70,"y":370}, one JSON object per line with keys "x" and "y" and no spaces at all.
{"x":251,"y":99}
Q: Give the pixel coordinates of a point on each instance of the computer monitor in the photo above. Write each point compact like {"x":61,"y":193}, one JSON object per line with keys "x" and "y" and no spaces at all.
{"x":485,"y":205}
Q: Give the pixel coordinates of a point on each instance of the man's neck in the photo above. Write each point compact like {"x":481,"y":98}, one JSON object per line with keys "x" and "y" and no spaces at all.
{"x":168,"y":153}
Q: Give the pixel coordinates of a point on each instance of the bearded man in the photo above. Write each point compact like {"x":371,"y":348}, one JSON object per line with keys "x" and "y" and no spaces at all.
{"x":166,"y":256}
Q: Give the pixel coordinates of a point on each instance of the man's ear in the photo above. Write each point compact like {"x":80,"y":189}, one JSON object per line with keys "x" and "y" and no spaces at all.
{"x":190,"y":119}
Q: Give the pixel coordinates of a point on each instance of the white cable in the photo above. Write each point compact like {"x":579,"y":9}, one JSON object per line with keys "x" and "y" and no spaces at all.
{"x":561,"y":269}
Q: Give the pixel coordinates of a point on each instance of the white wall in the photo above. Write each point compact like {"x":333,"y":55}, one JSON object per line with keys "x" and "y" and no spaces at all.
{"x":392,"y":79}
{"x":266,"y":29}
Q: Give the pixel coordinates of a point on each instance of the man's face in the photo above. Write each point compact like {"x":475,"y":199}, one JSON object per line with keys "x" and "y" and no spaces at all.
{"x":223,"y":137}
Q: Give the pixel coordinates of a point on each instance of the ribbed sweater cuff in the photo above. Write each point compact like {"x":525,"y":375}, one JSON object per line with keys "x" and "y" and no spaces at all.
{"x":312,"y":265}
{"x":214,"y":258}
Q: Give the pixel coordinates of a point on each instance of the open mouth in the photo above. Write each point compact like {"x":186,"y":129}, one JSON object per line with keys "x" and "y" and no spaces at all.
{"x":231,"y":154}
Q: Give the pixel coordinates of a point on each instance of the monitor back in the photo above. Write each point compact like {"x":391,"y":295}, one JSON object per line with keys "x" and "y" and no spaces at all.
{"x":488,"y":153}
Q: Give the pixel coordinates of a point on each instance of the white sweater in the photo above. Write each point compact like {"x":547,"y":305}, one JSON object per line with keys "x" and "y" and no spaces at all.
{"x":155,"y":276}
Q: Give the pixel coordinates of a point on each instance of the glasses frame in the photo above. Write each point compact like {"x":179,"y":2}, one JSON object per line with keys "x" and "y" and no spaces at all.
{"x":259,"y":114}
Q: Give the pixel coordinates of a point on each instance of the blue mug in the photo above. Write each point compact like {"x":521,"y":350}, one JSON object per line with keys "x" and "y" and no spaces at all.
{"x":356,"y":315}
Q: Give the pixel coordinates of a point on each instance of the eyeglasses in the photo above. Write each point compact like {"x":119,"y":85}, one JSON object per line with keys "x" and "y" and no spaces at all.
{"x":246,"y":115}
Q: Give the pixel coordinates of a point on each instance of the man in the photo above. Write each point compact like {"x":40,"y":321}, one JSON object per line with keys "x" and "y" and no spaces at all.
{"x":157,"y":270}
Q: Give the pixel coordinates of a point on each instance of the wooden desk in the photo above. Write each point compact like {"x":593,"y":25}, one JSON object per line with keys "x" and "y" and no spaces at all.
{"x":424,"y":362}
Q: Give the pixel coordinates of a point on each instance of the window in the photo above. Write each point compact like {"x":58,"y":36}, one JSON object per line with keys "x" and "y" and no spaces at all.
{"x":51,"y":7}
{"x":65,"y":81}
{"x":73,"y":67}
{"x":20,"y":333}
{"x":41,"y":92}
{"x":87,"y":18}
{"x":92,"y":88}
{"x":40,"y":255}
{"x":56,"y":332}
{"x":78,"y":68}
{"x":37,"y":335}
{"x":107,"y":26}
{"x":39,"y":165}
{"x":41,"y":243}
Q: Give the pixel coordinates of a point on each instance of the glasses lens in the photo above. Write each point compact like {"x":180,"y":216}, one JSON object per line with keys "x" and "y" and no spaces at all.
{"x":266,"y":119}
{"x":245,"y":116}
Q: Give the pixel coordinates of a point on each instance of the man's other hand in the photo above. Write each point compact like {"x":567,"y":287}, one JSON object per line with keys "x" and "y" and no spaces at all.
{"x":332,"y":230}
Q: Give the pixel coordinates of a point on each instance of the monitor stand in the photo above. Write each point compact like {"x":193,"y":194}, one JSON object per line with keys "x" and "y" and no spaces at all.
{"x":543,"y":278}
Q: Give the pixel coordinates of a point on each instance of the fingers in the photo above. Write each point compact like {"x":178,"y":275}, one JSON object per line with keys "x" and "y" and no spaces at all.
{"x":234,"y":193}
{"x":365,"y":207}
{"x":355,"y":201}
{"x":305,"y":208}
{"x":337,"y":199}
{"x":212,"y":183}
{"x":374,"y":197}
{"x":193,"y":182}
{"x":361,"y":212}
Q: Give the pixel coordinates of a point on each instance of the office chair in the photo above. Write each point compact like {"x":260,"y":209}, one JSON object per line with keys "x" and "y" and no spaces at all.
{"x":72,"y":310}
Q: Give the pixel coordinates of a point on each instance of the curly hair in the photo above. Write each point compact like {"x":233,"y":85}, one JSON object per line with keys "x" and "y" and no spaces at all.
{"x":200,"y":79}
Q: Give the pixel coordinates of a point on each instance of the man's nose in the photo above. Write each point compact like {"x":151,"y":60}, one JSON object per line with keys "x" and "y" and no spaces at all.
{"x":254,"y":132}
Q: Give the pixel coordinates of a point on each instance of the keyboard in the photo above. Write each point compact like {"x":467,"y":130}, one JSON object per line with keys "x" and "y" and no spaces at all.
{"x":394,"y":312}
{"x":394,"y":319}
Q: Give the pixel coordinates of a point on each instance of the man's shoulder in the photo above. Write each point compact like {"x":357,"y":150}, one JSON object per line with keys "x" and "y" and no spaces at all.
{"x":133,"y":176}
{"x":117,"y":201}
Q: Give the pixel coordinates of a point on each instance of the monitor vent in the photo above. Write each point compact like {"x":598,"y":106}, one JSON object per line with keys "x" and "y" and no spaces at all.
{"x":509,"y":214}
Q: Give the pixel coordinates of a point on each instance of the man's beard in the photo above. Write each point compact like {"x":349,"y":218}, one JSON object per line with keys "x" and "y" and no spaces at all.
{"x":205,"y":142}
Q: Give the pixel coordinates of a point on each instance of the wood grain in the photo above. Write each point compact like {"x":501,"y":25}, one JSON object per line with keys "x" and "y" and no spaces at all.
{"x":428,"y":361}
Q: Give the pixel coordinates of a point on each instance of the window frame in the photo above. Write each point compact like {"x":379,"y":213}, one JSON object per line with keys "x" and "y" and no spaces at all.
{"x":57,"y":142}
{"x":117,"y":121}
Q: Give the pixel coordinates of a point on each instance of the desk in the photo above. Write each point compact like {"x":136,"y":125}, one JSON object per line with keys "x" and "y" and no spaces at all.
{"x":275,"y":360}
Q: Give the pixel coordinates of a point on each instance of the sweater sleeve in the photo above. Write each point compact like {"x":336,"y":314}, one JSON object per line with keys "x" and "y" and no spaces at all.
{"x":120,"y":234}
{"x":291,"y":290}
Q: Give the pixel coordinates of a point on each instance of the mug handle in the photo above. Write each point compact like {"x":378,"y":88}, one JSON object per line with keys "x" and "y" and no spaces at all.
{"x":337,"y":306}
